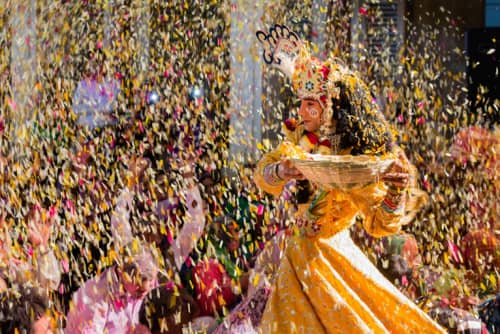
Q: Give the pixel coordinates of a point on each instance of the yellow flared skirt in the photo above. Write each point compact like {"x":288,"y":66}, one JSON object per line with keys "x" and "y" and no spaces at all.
{"x":330,"y":286}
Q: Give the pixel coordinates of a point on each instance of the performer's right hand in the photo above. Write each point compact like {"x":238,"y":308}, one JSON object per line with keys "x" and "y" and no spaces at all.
{"x":287,"y":171}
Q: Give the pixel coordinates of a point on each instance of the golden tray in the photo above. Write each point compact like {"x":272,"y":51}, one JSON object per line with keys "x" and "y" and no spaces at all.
{"x":342,"y":171}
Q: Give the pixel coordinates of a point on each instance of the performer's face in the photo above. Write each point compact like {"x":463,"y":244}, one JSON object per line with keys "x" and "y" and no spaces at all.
{"x":310,"y":112}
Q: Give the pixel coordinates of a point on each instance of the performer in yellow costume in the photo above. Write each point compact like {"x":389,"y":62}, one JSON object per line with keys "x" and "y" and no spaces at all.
{"x":325,"y":284}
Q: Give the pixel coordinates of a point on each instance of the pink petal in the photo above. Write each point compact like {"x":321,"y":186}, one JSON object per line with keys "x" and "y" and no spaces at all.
{"x":260,"y":209}
{"x":454,"y":251}
{"x":65,"y":265}
{"x":52,"y":211}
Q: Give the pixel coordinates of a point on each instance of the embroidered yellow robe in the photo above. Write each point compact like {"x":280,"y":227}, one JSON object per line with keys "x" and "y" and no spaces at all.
{"x":325,"y":284}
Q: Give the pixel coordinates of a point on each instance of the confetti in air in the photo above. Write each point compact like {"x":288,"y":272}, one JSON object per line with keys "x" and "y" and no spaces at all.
{"x":99,"y":96}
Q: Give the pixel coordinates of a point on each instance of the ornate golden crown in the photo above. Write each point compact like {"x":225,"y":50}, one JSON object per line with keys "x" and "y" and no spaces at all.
{"x":315,"y":79}
{"x":311,"y":78}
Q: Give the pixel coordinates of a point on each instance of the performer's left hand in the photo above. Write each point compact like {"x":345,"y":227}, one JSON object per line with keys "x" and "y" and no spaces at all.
{"x":397,"y":174}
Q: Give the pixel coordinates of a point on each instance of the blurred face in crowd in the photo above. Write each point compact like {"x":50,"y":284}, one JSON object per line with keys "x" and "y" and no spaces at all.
{"x":137,"y":284}
{"x":43,"y":325}
{"x":310,"y":111}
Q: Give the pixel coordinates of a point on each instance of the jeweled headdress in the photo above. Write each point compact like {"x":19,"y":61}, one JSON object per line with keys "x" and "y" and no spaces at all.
{"x":311,"y":78}
{"x":326,"y":82}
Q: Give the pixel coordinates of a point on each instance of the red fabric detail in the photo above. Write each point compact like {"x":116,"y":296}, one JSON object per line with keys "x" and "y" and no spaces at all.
{"x":291,"y":124}
{"x":323,"y":99}
{"x":313,"y":138}
{"x":478,"y":246}
{"x":325,"y":70}
{"x":325,"y":142}
{"x":212,"y":286}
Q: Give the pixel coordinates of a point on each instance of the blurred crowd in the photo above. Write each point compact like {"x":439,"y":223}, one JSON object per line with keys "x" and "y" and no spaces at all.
{"x":142,"y":224}
{"x":123,"y":211}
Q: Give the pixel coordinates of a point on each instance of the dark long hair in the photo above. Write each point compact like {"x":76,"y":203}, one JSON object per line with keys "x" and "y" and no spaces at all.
{"x":358,"y":120}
